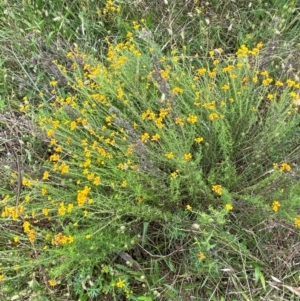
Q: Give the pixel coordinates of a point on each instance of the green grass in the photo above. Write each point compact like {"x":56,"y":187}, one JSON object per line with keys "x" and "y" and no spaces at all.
{"x":149,"y":150}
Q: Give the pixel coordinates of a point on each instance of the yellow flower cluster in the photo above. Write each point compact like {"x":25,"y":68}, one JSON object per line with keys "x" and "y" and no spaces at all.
{"x":82,"y":195}
{"x":213,"y":116}
{"x":275,"y":206}
{"x":61,"y":239}
{"x":30,"y":232}
{"x":285,"y":167}
{"x":174,"y":174}
{"x":188,"y":157}
{"x":217,"y":189}
{"x":201,"y":256}
{"x":13,"y":212}
{"x":158,"y":119}
{"x":120,"y":283}
{"x":198,"y":139}
{"x":177,"y":90}
{"x":52,"y":282}
{"x":192,"y":118}
{"x":188,"y":207}
{"x":282,"y":167}
{"x":169,"y":155}
{"x":297,"y":222}
{"x":244,"y":51}
{"x":228,"y":207}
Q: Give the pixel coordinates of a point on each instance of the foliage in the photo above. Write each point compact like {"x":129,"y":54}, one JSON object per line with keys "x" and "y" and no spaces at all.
{"x":148,"y":160}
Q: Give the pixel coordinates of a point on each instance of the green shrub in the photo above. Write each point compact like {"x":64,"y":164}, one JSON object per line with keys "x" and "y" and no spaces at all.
{"x":138,"y":138}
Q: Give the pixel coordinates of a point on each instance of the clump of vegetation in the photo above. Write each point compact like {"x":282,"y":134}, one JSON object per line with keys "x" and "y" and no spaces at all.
{"x":151,"y":161}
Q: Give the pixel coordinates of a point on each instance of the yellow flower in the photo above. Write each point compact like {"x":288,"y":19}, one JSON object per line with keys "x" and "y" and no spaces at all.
{"x":285,"y":167}
{"x":70,"y":239}
{"x":225,"y":87}
{"x":88,"y":236}
{"x":31,"y":236}
{"x":259,"y":45}
{"x":52,"y":282}
{"x":169,"y":155}
{"x":267,"y":81}
{"x":290,"y":83}
{"x":54,"y":157}
{"x":64,"y":168}
{"x":87,"y":163}
{"x":212,"y":73}
{"x":53,"y":141}
{"x":70,"y":208}
{"x":179,"y":121}
{"x":217,"y":189}
{"x":188,"y":207}
{"x":45,"y":211}
{"x":177,"y":90}
{"x":26,"y":182}
{"x":275,"y":206}
{"x":121,"y":166}
{"x":53,"y":83}
{"x":192,"y":118}
{"x":1,"y":277}
{"x":124,"y":183}
{"x":82,"y":195}
{"x":97,"y":180}
{"x":201,"y":71}
{"x":120,"y":283}
{"x":163,"y":112}
{"x":105,"y":269}
{"x":155,"y":137}
{"x":145,"y":137}
{"x":62,"y":209}
{"x":46,"y":175}
{"x":73,"y":125}
{"x":297,"y":222}
{"x":55,"y":123}
{"x":265,"y":73}
{"x":201,"y":256}
{"x":228,"y":207}
{"x":228,"y":68}
{"x":159,"y":122}
{"x":91,"y":176}
{"x":174,"y":174}
{"x":187,"y":157}
{"x":198,"y":139}
{"x":213,"y":116}
{"x":44,"y":191}
{"x":164,"y":74}
{"x":59,"y":239}
{"x":26,"y":226}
